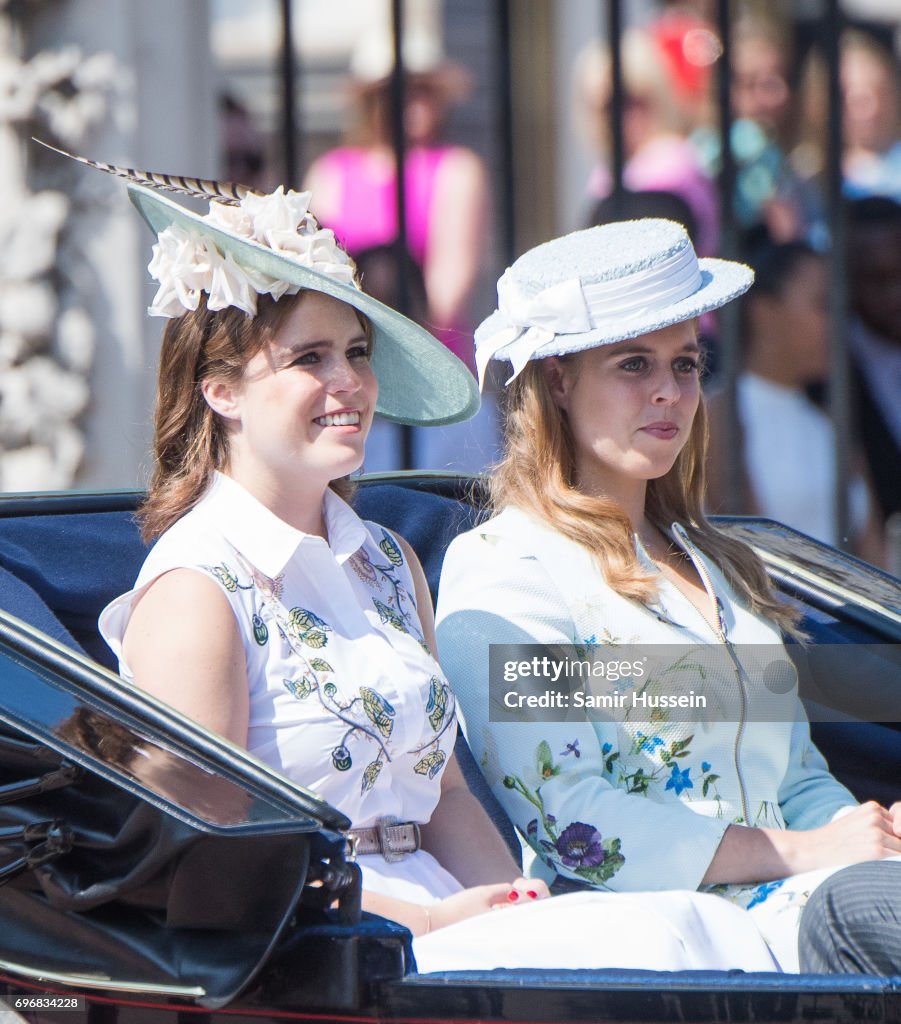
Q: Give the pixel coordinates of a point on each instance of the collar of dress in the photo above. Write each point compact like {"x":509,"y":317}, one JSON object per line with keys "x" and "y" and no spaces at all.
{"x":268,"y":542}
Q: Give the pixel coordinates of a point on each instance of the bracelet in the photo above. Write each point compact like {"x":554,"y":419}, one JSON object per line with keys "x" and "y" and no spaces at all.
{"x":428,"y":920}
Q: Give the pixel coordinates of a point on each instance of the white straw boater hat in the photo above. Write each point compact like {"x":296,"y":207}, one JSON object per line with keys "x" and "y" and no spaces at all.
{"x":599,"y":286}
{"x":251,"y":244}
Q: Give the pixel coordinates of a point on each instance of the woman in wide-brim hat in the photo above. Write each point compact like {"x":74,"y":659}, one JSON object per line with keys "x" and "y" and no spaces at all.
{"x":686,"y":761}
{"x":272,"y":614}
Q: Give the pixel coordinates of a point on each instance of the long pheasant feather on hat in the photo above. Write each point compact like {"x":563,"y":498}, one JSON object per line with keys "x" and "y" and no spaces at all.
{"x":228,"y":192}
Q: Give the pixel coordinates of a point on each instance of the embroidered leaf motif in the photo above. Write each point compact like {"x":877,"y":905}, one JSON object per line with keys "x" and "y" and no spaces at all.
{"x":302,"y":619}
{"x":341,"y":758}
{"x":709,"y":780}
{"x":226,"y":577}
{"x":378,"y":710}
{"x":319,"y":665}
{"x":308,"y":628}
{"x":370,"y":774}
{"x":430,"y":764}
{"x":388,"y":545}
{"x":437,"y":704}
{"x":389,"y":616}
{"x":300,"y":688}
{"x":678,"y":745}
{"x":639,"y":782}
{"x":260,"y":630}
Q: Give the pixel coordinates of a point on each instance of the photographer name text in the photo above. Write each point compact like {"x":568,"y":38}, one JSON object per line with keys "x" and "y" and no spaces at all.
{"x":598,"y":701}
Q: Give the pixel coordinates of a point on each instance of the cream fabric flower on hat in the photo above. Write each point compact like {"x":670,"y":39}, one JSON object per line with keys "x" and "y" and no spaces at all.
{"x":187,"y":264}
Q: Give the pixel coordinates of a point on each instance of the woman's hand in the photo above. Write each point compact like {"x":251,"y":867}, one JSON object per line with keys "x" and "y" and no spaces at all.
{"x":527,"y":889}
{"x":479,"y":899}
{"x":866,"y":833}
{"x":750,"y":855}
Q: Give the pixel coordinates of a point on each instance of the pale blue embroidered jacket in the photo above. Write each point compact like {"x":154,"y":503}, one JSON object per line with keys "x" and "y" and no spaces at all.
{"x":640,"y":798}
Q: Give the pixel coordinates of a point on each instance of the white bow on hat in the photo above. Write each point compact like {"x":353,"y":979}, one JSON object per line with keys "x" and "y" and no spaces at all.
{"x":532,"y":321}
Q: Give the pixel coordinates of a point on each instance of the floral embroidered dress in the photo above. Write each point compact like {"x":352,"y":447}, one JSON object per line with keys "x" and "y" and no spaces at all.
{"x":640,"y":799}
{"x":346,"y":699}
{"x":344,"y":696}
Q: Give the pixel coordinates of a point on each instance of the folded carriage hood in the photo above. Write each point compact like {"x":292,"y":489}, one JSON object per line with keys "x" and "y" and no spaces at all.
{"x":137,"y":849}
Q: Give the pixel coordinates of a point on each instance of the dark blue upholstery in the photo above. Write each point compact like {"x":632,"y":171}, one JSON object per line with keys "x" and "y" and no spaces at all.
{"x":20,"y":600}
{"x":75,"y":564}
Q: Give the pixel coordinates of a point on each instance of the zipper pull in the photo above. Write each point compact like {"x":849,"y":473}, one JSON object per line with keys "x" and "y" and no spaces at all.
{"x":721,"y":617}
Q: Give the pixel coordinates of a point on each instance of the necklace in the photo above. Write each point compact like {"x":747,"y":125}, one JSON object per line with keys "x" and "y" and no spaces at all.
{"x":662,"y":550}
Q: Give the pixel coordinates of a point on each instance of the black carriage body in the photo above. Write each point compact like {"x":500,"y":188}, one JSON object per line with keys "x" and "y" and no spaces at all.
{"x":160,"y":871}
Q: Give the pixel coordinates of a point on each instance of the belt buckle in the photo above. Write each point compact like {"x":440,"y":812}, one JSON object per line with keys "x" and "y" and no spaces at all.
{"x":382,"y":826}
{"x":350,"y":849}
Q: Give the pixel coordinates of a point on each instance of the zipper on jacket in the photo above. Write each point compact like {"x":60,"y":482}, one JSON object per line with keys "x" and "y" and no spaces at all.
{"x":719,"y":632}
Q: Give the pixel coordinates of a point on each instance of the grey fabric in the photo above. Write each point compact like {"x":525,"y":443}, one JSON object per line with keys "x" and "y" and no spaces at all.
{"x":852,"y":922}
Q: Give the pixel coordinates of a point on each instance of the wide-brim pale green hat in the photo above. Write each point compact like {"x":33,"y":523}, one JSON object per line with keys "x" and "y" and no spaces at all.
{"x":421,"y":382}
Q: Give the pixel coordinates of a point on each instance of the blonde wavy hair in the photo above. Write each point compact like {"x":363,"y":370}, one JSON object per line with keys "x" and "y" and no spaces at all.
{"x":537,"y":474}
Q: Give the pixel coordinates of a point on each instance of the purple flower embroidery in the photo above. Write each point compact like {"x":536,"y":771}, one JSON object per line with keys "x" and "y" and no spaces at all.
{"x":580,"y":846}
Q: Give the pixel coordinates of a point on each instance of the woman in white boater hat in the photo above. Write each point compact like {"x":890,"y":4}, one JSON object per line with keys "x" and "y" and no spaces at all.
{"x":678,"y":755}
{"x":272,"y":614}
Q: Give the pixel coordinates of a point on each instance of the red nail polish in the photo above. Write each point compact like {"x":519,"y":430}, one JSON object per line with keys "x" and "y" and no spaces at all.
{"x":532,"y":894}
{"x":512,"y":895}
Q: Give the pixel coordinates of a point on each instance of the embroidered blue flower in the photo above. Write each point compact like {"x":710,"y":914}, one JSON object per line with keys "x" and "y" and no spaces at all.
{"x":648,"y":743}
{"x":705,"y":767}
{"x":606,"y":748}
{"x":571,"y":748}
{"x":580,"y":846}
{"x":679,"y":780}
{"x":763,"y":891}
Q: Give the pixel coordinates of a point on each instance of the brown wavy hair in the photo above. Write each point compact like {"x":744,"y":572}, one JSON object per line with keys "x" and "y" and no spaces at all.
{"x":537,"y":474}
{"x":190,"y":440}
